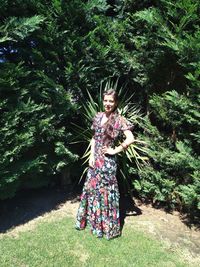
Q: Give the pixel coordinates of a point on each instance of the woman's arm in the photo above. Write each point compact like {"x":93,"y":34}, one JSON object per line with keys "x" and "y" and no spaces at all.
{"x":91,"y":160}
{"x":129,"y":140}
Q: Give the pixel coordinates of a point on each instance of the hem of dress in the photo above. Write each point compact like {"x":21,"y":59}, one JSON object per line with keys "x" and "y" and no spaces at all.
{"x":101,"y":235}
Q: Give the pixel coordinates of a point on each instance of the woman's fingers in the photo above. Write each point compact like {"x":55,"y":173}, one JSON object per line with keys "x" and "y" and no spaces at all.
{"x":104,"y":149}
{"x":91,"y":163}
{"x":107,"y":150}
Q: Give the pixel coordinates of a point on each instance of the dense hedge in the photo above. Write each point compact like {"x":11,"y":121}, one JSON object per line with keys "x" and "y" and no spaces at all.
{"x":52,"y":51}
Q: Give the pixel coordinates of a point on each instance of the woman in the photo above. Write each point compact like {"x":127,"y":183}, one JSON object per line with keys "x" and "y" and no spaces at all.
{"x":99,"y":206}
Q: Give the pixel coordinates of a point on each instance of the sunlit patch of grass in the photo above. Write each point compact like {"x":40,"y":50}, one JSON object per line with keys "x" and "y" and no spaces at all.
{"x":57,"y":243}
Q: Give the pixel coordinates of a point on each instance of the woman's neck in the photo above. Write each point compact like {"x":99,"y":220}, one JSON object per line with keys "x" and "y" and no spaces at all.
{"x":107,"y":114}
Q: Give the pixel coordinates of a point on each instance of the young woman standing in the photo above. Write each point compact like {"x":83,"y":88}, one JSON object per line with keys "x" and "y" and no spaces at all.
{"x":99,"y":206}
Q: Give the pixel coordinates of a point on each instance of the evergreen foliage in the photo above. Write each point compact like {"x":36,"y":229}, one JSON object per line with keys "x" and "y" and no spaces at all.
{"x":171,"y":35}
{"x":35,"y":106}
{"x":53,"y":52}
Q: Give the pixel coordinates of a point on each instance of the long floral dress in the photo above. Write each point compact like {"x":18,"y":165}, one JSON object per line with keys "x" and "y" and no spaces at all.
{"x":99,"y":206}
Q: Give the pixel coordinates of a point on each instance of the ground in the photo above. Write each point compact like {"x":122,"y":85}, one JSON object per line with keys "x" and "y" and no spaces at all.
{"x":23,"y":212}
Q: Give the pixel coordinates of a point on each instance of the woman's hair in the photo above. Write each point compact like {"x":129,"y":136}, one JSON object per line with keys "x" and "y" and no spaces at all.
{"x":114,"y":116}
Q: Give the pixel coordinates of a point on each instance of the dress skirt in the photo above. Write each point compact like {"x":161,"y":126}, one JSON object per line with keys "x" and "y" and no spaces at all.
{"x":99,"y":206}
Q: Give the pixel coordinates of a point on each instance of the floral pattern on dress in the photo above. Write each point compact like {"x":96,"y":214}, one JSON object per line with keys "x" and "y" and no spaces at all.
{"x":99,"y":205}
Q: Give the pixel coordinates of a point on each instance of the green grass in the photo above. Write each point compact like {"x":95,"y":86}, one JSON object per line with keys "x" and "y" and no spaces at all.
{"x":59,"y":244}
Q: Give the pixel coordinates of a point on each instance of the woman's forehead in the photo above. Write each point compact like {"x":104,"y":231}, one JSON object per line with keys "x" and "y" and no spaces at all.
{"x":108,"y":97}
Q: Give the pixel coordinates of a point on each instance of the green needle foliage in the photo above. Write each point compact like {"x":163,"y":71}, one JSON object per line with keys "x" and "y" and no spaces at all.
{"x":53,"y":56}
{"x":35,"y":106}
{"x":169,"y":35}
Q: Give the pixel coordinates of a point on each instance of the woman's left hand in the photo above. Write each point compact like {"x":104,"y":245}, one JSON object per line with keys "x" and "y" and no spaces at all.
{"x":108,"y":150}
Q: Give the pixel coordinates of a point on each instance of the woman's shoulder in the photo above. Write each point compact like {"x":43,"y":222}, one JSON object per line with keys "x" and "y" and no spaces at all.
{"x":98,"y":114}
{"x":124,"y":123}
{"x":96,"y":120}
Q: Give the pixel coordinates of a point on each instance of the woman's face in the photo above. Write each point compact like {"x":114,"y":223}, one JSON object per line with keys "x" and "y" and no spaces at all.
{"x":109,"y":103}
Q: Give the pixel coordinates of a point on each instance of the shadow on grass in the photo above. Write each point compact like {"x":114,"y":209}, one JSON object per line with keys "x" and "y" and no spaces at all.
{"x":30,"y":204}
{"x":191,"y":220}
{"x":127,"y":208}
{"x":189,"y":217}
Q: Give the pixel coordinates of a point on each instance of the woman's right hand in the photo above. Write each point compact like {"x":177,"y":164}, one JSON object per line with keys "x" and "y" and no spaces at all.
{"x":91,"y":162}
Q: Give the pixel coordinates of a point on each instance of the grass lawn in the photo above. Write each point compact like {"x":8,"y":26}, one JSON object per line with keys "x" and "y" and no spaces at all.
{"x":57,"y":243}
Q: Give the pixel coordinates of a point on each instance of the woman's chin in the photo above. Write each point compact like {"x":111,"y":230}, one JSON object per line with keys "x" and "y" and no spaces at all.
{"x":108,"y":109}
